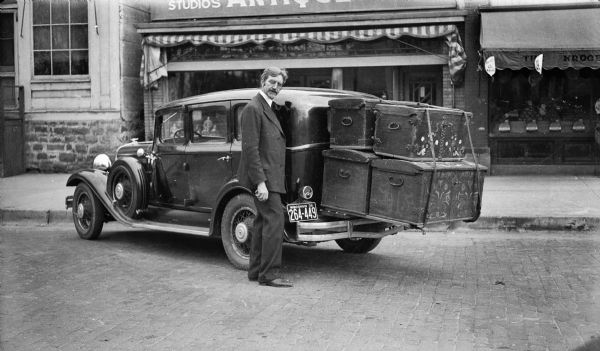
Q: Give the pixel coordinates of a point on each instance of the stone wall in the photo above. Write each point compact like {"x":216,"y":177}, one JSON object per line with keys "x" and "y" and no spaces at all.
{"x":66,"y":146}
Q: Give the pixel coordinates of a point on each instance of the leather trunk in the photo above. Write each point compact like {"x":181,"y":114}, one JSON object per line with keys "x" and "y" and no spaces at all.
{"x":412,"y":192}
{"x":401,"y":131}
{"x":346,"y":180}
{"x":352,"y":123}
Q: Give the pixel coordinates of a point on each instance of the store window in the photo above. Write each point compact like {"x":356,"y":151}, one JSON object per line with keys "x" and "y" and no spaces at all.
{"x":60,"y":37}
{"x":371,"y":80}
{"x":184,"y":84}
{"x":559,"y":102}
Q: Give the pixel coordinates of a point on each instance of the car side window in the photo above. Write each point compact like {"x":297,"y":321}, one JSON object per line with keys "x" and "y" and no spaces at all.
{"x":172,"y":131}
{"x":237,"y":115}
{"x":209,"y":123}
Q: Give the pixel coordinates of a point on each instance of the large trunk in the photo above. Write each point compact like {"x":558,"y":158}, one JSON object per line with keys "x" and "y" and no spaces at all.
{"x":402,"y":131}
{"x":425,"y":192}
{"x":346,"y":180}
{"x":352,"y":123}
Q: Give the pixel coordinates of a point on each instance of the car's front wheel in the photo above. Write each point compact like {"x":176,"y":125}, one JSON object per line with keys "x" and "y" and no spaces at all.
{"x":358,"y":245}
{"x":236,"y":228}
{"x":88,"y":212}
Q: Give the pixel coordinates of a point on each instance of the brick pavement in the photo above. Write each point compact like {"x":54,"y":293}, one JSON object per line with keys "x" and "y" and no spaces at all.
{"x":136,"y":290}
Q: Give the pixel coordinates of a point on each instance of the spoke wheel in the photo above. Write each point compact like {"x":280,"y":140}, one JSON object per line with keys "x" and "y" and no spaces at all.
{"x":88,"y":213}
{"x":236,"y":229}
{"x":127,"y":189}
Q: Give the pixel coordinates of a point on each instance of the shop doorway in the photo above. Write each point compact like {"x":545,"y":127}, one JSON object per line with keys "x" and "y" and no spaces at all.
{"x":423,"y":85}
{"x":12,"y":158}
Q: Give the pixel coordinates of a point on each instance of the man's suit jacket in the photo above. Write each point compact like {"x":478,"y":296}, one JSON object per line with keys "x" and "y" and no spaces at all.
{"x":263,"y":147}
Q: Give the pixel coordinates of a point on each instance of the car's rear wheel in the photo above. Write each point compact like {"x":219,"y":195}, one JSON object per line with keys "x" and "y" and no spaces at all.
{"x":358,"y":245}
{"x":236,"y":229}
{"x":127,"y":188}
{"x":88,"y":212}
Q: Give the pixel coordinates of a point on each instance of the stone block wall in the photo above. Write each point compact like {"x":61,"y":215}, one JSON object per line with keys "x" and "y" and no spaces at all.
{"x":66,"y":146}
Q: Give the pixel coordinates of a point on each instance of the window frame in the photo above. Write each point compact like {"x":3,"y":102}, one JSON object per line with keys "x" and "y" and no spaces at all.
{"x":12,"y":74}
{"x":226,"y":138}
{"x":69,"y":50}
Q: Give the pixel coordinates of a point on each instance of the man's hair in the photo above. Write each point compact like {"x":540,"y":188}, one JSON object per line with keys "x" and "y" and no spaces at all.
{"x":273,"y":72}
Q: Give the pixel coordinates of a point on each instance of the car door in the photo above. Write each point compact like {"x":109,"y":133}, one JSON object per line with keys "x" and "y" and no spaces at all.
{"x":209,"y":152}
{"x":170,"y":174}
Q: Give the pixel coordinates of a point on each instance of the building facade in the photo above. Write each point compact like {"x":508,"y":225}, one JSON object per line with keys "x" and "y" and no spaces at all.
{"x":539,"y":64}
{"x":396,"y":49}
{"x":76,"y":65}
{"x":70,"y":69}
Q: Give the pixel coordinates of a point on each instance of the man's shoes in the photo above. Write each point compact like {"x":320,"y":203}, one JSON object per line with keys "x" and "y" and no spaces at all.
{"x":253,"y":279}
{"x":277,"y":283}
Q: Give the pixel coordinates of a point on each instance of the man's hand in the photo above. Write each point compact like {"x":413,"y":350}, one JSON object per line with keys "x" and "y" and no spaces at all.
{"x":261,"y":192}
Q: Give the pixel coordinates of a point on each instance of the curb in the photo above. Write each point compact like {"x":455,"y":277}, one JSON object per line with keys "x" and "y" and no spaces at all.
{"x":534,"y":223}
{"x":499,"y":223}
{"x":35,"y":217}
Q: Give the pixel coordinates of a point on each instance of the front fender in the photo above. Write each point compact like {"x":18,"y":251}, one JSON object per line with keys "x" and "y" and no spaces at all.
{"x":96,"y":180}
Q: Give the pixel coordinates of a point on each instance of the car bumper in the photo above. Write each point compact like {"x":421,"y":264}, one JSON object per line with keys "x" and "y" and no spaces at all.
{"x":340,"y":229}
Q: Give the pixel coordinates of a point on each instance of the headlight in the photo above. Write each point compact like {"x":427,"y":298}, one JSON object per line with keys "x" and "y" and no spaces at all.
{"x":140,"y":152}
{"x":306,"y":192}
{"x":102,"y":162}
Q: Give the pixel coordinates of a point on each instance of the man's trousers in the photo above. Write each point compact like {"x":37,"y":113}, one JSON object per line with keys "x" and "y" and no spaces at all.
{"x":267,"y":239}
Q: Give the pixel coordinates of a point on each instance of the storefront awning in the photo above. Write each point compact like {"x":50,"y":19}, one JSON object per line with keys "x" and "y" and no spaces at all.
{"x":567,"y":38}
{"x":323,"y":37}
{"x":156,"y":58}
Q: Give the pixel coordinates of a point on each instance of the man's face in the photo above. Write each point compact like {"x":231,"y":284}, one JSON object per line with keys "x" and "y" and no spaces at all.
{"x":272,"y":85}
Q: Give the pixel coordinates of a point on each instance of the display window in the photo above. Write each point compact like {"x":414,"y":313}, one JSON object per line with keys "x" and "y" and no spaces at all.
{"x":372,"y":80}
{"x":560,"y":102}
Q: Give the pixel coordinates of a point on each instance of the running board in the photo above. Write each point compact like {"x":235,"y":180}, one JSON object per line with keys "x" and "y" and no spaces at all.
{"x":167,"y":227}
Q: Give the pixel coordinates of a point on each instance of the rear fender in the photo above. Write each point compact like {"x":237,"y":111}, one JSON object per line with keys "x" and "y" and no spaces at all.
{"x":228,"y":191}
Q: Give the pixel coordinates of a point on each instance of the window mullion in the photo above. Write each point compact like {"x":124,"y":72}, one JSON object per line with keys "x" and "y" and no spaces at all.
{"x":69,"y":46}
{"x":51,"y":41}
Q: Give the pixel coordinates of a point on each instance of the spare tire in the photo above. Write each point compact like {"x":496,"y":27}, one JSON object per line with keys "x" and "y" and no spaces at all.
{"x":127,"y":187}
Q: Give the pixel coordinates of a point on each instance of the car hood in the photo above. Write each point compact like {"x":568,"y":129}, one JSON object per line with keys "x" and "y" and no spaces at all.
{"x":130,"y":149}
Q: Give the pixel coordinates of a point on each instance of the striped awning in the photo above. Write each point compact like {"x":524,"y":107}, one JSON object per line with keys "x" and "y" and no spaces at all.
{"x":322,"y":37}
{"x":154,"y":60}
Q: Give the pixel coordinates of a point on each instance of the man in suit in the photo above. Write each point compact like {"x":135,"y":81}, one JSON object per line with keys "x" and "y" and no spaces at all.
{"x":262,"y":169}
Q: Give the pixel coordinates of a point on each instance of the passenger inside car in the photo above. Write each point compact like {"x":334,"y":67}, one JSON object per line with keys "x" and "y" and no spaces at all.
{"x":210,"y":124}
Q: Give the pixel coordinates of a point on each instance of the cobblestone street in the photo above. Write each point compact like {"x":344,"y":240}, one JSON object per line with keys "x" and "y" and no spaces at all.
{"x":139,"y":290}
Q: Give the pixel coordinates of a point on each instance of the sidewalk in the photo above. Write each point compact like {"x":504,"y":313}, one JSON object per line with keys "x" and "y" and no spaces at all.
{"x":509,"y":202}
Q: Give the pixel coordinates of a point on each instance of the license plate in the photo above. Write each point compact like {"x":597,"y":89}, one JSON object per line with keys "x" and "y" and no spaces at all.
{"x":302,"y":211}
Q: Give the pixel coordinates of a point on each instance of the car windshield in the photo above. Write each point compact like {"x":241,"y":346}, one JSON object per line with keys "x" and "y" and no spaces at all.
{"x":172,"y":128}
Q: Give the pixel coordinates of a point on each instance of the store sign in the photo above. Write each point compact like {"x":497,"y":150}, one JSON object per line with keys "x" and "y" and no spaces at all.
{"x":189,"y":9}
{"x":551,"y":59}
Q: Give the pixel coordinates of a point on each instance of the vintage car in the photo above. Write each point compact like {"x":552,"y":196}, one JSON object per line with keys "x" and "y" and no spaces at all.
{"x":185,"y":179}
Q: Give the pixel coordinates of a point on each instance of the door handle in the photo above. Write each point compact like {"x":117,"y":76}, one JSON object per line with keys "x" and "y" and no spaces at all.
{"x":224,"y":158}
